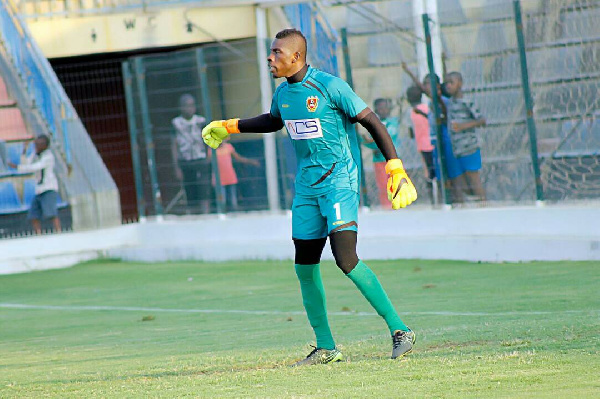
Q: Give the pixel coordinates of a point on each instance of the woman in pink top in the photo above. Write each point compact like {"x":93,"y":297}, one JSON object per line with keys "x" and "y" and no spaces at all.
{"x":421,"y":129}
{"x":226,"y":153}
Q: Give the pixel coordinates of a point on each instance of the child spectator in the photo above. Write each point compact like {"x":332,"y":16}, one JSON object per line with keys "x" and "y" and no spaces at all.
{"x":45,"y":202}
{"x":454,"y":172}
{"x":463,"y":119}
{"x":420,"y":129}
{"x":227,"y":175}
{"x":383,"y":110}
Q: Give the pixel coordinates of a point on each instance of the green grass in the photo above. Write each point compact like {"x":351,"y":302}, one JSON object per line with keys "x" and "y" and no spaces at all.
{"x":513,"y":330}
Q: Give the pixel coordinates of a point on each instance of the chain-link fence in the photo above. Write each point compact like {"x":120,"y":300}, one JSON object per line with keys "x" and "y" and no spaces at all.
{"x":222,"y":81}
{"x":560,"y":57}
{"x":176,"y":172}
{"x":379,"y":37}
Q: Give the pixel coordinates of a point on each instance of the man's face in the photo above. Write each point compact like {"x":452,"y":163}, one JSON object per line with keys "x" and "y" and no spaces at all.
{"x":382,"y":109}
{"x":188,"y":108}
{"x":427,"y":88}
{"x":40,"y":145}
{"x":453,"y":85}
{"x":282,"y":58}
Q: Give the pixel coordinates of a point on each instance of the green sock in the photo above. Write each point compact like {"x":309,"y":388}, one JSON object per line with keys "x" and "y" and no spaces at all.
{"x":313,"y":297}
{"x":369,"y":286}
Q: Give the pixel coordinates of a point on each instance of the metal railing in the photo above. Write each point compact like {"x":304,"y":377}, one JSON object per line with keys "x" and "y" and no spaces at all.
{"x":88,"y":184}
{"x":45,"y":92}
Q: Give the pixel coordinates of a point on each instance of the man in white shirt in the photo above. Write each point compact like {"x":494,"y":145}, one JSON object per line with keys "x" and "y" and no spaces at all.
{"x":44,"y":204}
{"x":191,"y":156}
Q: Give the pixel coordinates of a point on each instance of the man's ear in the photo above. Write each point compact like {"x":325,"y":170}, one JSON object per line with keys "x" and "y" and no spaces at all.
{"x":296,"y":56}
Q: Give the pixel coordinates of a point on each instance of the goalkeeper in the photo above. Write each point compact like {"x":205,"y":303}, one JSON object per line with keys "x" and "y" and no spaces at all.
{"x":318,"y":111}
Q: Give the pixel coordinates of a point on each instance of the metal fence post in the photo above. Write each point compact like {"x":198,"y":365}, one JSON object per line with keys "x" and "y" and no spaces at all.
{"x":437,"y":112}
{"x":147,"y":128}
{"x":270,"y":145}
{"x":133,"y":136}
{"x":531,"y":127}
{"x":207,"y":109}
{"x":348,"y":68}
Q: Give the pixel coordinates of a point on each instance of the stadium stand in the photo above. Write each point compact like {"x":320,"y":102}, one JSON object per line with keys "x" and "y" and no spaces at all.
{"x":5,"y":99}
{"x":578,"y":26}
{"x":28,"y":191}
{"x":32,"y":102}
{"x":9,"y":199}
{"x":384,"y":50}
{"x":12,"y":126}
{"x":17,"y":189}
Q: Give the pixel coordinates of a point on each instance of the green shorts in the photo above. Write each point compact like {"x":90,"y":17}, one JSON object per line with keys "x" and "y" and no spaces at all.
{"x":317,"y":217}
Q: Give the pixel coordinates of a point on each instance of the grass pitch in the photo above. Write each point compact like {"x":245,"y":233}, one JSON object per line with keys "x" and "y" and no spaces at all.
{"x":172,"y":330}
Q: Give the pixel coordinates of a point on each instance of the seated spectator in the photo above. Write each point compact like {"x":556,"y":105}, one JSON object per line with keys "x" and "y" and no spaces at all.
{"x":45,"y":202}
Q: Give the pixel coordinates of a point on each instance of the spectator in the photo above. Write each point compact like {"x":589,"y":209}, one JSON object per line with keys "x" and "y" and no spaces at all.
{"x":45,"y":202}
{"x":463,"y":119}
{"x":192,"y":161}
{"x":420,"y":129}
{"x":456,"y":180}
{"x":227,"y":175}
{"x":383,"y":110}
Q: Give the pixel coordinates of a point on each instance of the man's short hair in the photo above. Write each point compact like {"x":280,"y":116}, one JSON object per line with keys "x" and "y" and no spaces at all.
{"x":381,"y":100}
{"x":45,"y":138}
{"x":184,"y":98}
{"x":428,"y":76}
{"x":455,"y":75}
{"x":413,"y":95}
{"x":294,"y":34}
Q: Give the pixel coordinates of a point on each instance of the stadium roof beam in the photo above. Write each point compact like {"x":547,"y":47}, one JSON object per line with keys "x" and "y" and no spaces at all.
{"x":106,"y":7}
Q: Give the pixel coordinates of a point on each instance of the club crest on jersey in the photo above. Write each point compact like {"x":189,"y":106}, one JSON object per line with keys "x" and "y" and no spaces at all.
{"x":312,"y":103}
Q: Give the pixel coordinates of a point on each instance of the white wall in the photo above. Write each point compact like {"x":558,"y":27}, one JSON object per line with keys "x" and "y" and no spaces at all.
{"x":494,"y":235}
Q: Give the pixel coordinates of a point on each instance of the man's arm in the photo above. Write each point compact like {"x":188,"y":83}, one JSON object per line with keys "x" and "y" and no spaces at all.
{"x":214,"y":133}
{"x":414,"y":78}
{"x":400,"y":189}
{"x":459,"y":127}
{"x":178,"y":172}
{"x":265,"y":123}
{"x":242,"y":159}
{"x":31,"y":167}
{"x":378,"y":131}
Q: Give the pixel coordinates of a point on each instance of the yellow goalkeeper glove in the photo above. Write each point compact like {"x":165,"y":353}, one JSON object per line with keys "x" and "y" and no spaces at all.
{"x":401,"y":191}
{"x":214,"y":133}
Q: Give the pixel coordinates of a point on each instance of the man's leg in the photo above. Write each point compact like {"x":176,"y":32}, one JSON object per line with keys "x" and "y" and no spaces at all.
{"x":308,"y":255}
{"x":35,"y":214}
{"x":233,"y":197}
{"x":341,"y":209}
{"x":309,"y":232}
{"x":458,"y":186}
{"x":472,"y":165}
{"x":56,"y":223}
{"x":343,"y":246}
{"x":203,"y":185}
{"x":189,"y":179}
{"x":49,"y":205}
{"x":37,"y":226}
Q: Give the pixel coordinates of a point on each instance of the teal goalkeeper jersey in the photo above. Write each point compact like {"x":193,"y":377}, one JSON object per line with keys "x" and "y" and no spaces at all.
{"x":318,"y":114}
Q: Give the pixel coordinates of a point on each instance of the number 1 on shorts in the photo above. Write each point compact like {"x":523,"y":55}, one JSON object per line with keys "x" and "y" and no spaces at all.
{"x":338,"y":211}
